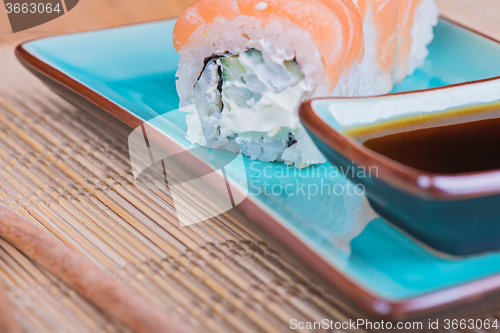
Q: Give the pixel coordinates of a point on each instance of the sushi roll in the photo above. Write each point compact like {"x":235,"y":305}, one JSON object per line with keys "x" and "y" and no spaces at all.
{"x":247,"y":65}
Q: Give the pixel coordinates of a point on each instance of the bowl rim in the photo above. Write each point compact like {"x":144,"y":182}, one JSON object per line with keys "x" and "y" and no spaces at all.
{"x":428,"y":185}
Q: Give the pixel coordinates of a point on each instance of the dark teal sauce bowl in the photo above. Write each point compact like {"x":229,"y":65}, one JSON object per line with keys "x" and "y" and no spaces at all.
{"x":457,"y":213}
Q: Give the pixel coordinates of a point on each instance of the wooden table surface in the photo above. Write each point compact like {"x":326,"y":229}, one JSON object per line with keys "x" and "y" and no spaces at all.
{"x":96,"y":14}
{"x":483,"y":15}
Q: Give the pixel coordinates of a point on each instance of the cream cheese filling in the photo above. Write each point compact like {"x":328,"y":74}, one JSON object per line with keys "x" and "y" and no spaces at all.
{"x":260,"y":96}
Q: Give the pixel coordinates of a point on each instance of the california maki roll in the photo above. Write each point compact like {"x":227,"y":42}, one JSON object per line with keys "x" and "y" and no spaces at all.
{"x":247,"y":65}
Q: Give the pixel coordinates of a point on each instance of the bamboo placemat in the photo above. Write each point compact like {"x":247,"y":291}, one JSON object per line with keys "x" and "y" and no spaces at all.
{"x":71,"y":176}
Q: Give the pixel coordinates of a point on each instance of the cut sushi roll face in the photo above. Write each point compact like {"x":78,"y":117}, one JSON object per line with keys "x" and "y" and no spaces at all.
{"x":256,"y":110}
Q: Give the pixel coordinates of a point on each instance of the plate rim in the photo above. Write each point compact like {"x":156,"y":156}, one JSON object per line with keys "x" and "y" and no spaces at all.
{"x":364,"y":299}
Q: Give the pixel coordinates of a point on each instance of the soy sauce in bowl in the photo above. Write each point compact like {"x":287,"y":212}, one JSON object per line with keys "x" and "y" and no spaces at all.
{"x":450,"y":149}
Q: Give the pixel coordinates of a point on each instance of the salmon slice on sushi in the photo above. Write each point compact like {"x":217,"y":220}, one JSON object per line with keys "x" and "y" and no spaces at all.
{"x":414,"y":32}
{"x":373,"y":74}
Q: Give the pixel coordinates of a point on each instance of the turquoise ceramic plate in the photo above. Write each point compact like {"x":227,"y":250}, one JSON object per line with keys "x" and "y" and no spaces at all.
{"x":130,"y":73}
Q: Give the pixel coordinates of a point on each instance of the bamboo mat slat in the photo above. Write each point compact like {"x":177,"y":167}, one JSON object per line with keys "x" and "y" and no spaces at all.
{"x":70,"y":175}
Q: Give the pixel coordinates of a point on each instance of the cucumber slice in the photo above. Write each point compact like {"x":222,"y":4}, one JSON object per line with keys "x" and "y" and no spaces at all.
{"x":231,"y":68}
{"x":293,"y":68}
{"x":240,"y":96}
{"x":255,"y":55}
